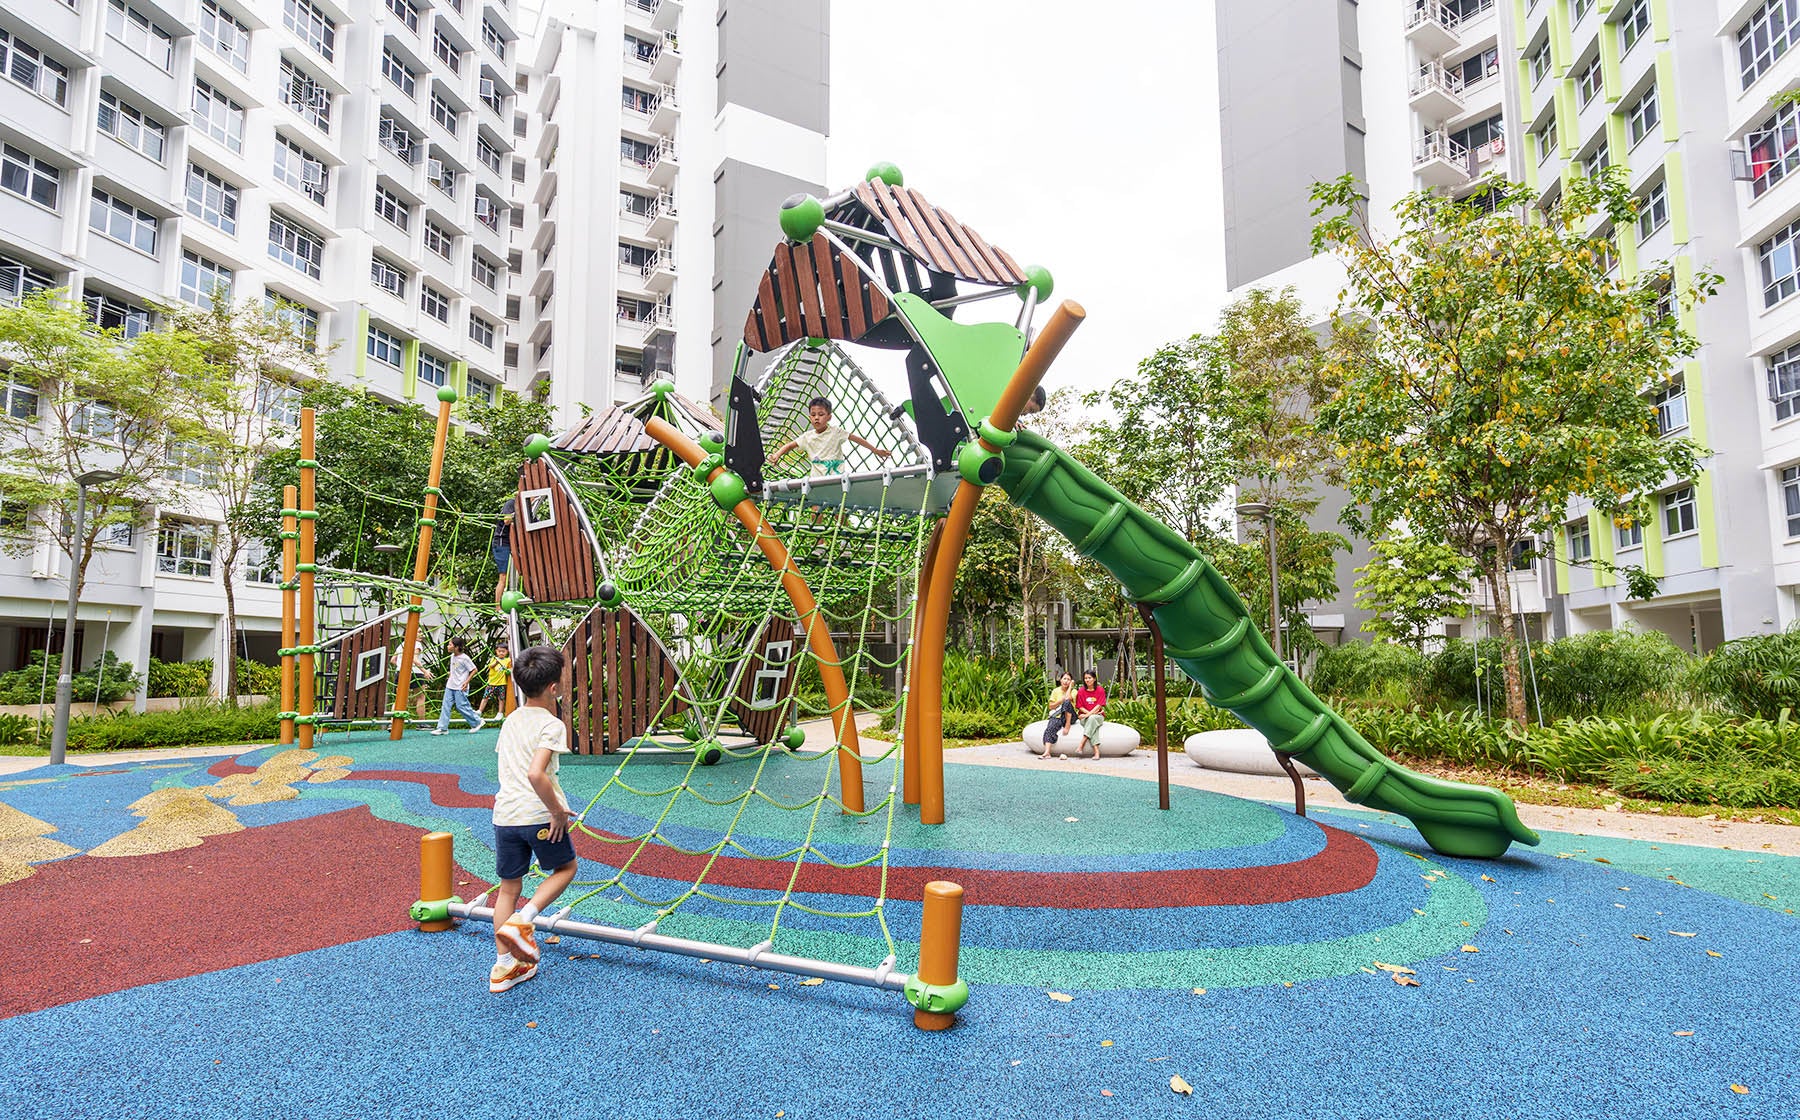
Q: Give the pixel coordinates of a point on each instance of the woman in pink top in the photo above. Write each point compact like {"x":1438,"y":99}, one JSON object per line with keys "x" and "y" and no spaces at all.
{"x":1090,"y":708}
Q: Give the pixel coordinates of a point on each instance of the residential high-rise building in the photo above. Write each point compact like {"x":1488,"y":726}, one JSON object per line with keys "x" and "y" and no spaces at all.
{"x":1682,"y":98}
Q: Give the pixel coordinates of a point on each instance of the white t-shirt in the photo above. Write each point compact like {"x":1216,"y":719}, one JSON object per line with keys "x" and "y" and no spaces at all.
{"x":462,"y":667}
{"x":823,"y":447}
{"x":525,"y":732}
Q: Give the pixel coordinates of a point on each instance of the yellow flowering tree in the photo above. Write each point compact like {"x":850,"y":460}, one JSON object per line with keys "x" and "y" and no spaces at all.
{"x":1494,"y":366}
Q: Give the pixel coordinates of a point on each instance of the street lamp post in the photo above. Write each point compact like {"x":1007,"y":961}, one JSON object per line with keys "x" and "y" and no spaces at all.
{"x":65,"y":679}
{"x":1267,"y":513}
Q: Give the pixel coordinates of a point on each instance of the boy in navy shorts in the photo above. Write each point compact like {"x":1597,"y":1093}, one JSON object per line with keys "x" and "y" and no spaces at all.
{"x":531,"y":815}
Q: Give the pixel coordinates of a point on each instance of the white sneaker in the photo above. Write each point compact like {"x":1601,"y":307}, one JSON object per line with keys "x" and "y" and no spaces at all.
{"x":438,"y":731}
{"x":477,"y":727}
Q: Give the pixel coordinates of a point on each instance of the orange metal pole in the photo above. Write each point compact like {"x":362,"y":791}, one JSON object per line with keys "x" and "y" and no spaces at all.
{"x":926,"y":684}
{"x":290,"y":542}
{"x":909,"y":751}
{"x":940,"y":943}
{"x":436,"y":850}
{"x":305,"y":667}
{"x":421,"y":562}
{"x":818,"y":637}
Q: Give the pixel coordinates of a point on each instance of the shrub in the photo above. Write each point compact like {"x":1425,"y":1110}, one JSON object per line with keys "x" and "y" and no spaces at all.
{"x":198,"y":724}
{"x":1756,"y":676}
{"x":106,"y":682}
{"x":1607,"y":672}
{"x":179,"y":678}
{"x":257,"y":679}
{"x":1370,"y":672}
{"x":17,"y":729}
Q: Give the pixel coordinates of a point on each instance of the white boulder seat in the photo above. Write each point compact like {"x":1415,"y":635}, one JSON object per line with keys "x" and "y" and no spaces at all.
{"x":1238,"y":750}
{"x":1116,"y":740}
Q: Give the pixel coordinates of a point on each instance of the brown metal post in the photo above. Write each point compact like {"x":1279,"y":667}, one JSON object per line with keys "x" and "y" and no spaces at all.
{"x":306,"y":665}
{"x":290,"y":549}
{"x":421,"y":562}
{"x":1162,"y":707}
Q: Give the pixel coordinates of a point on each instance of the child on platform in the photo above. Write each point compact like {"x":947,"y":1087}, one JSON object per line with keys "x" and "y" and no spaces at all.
{"x":824,"y":441}
{"x":531,"y":815}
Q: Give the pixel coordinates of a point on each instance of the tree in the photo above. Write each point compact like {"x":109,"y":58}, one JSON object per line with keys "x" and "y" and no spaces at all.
{"x":1492,"y":371}
{"x":1411,"y":582}
{"x":1267,"y":371}
{"x":84,"y":399}
{"x":251,"y":357}
{"x":1305,"y":562}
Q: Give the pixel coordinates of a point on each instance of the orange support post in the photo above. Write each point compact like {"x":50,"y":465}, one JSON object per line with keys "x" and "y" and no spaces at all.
{"x":909,"y":751}
{"x":436,"y":853}
{"x":925,"y":682}
{"x":306,"y":665}
{"x":818,"y":636}
{"x":421,"y":562}
{"x":290,"y":548}
{"x":935,"y":991}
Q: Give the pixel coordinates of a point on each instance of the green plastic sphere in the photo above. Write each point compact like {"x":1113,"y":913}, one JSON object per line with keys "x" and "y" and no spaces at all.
{"x":1038,"y":279}
{"x":801,"y":217}
{"x":713,"y":442}
{"x":710,"y":751}
{"x":512,"y":601}
{"x":609,"y":595}
{"x":978,"y":465}
{"x":662,"y":387}
{"x":728,"y":490}
{"x":887,"y":173}
{"x":537,"y":445}
{"x":447,"y":394}
{"x":796,"y":737}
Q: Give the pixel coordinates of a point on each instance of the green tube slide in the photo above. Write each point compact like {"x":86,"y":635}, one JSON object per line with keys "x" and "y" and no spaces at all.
{"x":1207,"y":631}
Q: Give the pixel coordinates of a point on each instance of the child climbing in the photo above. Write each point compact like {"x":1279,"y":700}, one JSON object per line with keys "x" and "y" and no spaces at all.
{"x":824,"y":441}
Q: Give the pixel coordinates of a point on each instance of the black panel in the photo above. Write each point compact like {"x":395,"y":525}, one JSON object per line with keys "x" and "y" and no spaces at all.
{"x":743,"y":440}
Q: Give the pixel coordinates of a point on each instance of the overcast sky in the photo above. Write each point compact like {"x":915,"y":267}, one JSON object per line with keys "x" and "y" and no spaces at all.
{"x":1076,"y":136}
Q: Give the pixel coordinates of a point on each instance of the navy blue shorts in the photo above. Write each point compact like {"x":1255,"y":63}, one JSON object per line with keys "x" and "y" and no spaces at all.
{"x":502,"y":557}
{"x":515,"y":844}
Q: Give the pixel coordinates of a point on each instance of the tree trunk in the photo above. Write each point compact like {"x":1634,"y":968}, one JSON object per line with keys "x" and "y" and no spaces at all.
{"x":228,"y":640}
{"x":1509,"y":649}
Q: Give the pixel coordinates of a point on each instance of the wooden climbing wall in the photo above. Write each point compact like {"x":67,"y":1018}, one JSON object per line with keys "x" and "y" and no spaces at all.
{"x":765,"y":694}
{"x":618,"y":682}
{"x":812,"y":290}
{"x":357,"y":660}
{"x":551,"y":547}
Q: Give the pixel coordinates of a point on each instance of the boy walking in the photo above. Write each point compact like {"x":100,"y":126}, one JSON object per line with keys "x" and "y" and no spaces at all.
{"x":531,"y":815}
{"x":456,"y":690}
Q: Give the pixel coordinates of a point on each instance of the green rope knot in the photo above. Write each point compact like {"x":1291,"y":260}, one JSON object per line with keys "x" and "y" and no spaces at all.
{"x":939,"y":999}
{"x":994,"y":435}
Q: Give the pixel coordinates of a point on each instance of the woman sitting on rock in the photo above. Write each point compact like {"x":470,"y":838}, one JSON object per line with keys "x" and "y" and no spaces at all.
{"x":1062,"y":711}
{"x":1090,"y":709}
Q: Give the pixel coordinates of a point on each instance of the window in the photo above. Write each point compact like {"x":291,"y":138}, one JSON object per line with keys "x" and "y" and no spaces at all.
{"x":1628,"y":534}
{"x":1587,"y":81}
{"x":1773,"y":150}
{"x":95,"y":420}
{"x":118,"y":534}
{"x":444,"y":48}
{"x":1777,"y":261}
{"x":1581,"y":544}
{"x":443,"y":177}
{"x":190,"y":463}
{"x":444,"y":113}
{"x":434,"y":303}
{"x":392,"y":207}
{"x":486,"y":272}
{"x":1479,"y":66}
{"x":36,"y":71}
{"x":296,"y":246}
{"x":388,"y":277}
{"x":137,"y":31}
{"x":1653,"y":209}
{"x":18,"y":280}
{"x":218,"y":116}
{"x":14,"y":517}
{"x":487,"y":211}
{"x":212,"y":199}
{"x":439,"y":240}
{"x":1642,"y":116}
{"x":302,"y":93}
{"x":433,"y":370}
{"x":1547,"y":139}
{"x":1635,"y":23}
{"x":1790,"y":499}
{"x":263,"y":566}
{"x":636,"y":151}
{"x":122,"y":222}
{"x":630,"y":202}
{"x":29,"y":177}
{"x":1581,"y":9}
{"x":223,"y":35}
{"x":115,"y":314}
{"x":481,"y":390}
{"x":1679,"y":514}
{"x":481,"y":330}
{"x":1522,"y":554}
{"x":638,"y":100}
{"x":303,"y":321}
{"x":184,"y":549}
{"x":201,"y":278}
{"x":1784,"y":381}
{"x":1540,"y":62}
{"x":1481,"y":132}
{"x":1764,"y":37}
{"x":492,"y":96}
{"x":304,"y":19}
{"x":1671,"y":407}
{"x":487,"y":154}
{"x":395,"y":70}
{"x":407,"y":11}
{"x":492,"y":39}
{"x":644,"y":50}
{"x":302,"y":170}
{"x":127,"y":124}
{"x":385,"y":348}
{"x":398,"y":139}
{"x":1595,"y":163}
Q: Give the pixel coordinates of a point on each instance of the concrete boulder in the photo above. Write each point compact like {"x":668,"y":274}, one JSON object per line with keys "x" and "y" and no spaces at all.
{"x":1237,"y":750}
{"x":1116,"y":740}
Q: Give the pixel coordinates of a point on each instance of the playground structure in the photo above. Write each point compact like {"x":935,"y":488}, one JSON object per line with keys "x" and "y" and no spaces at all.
{"x":695,"y":587}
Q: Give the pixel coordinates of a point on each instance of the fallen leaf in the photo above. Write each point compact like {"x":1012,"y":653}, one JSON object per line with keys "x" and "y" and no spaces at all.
{"x":1489,"y":879}
{"x":1106,"y":1042}
{"x":1060,"y":997}
{"x":532,"y":1024}
{"x":1106,"y":1092}
{"x":90,"y":941}
{"x":1370,"y":971}
{"x":1770,"y":897}
{"x":1602,"y":859}
{"x":1015,"y":1061}
{"x":1465,"y":923}
{"x":574,"y":956}
{"x":774,"y":987}
{"x":1470,"y":949}
{"x":1287,"y":983}
{"x":593,"y":956}
{"x":1640,"y":937}
{"x":1684,"y":1034}
{"x":1710,"y":953}
{"x":552,"y":939}
{"x":1394,"y":968}
{"x":1678,"y":933}
{"x":1199,"y":991}
{"x":1186,"y":1090}
{"x":1418,"y":911}
{"x":1405,"y":981}
{"x":812,"y":981}
{"x":1071,"y":820}
{"x":1740,"y":1089}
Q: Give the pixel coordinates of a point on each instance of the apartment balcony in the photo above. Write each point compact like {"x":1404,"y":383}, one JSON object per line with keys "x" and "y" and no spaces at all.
{"x":641,"y":14}
{"x":1440,"y":161}
{"x":663,"y":217}
{"x":1432,"y":28}
{"x":631,"y":331}
{"x":667,"y":62}
{"x":659,"y":272}
{"x":1436,"y":93}
{"x":666,"y":16}
{"x":634,"y":171}
{"x":666,"y":113}
{"x":665,"y":165}
{"x":635,"y":224}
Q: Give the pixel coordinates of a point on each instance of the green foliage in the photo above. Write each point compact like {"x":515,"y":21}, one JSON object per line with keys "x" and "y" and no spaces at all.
{"x":15,"y":728}
{"x":103,"y":683}
{"x":188,"y":679}
{"x":1607,"y":672}
{"x":1306,"y":564}
{"x":197,"y":724}
{"x":1756,"y":676}
{"x":1371,"y":673}
{"x":1410,"y":583}
{"x":257,"y":679}
{"x":1186,"y":716}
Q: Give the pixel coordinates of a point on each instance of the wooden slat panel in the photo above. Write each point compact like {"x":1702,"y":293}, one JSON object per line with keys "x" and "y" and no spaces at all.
{"x":977,"y":250}
{"x":791,"y":327}
{"x":760,"y":329}
{"x":831,"y":304}
{"x":610,"y":677}
{"x":900,"y":224}
{"x":878,"y":304}
{"x":922,"y":212}
{"x":582,"y":702}
{"x":812,"y":319}
{"x":855,"y":285}
{"x":1006,"y":257}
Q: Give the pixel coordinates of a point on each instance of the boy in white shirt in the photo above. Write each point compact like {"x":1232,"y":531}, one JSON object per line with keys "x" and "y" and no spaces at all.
{"x":456,"y":690}
{"x":824,"y":441}
{"x":531,"y":815}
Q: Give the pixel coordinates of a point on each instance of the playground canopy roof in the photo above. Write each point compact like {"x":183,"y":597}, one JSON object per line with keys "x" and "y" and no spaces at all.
{"x":619,"y":429}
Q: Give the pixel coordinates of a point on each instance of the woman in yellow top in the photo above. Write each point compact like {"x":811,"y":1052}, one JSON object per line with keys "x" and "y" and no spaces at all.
{"x":1062,"y":711}
{"x":498,"y":671}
